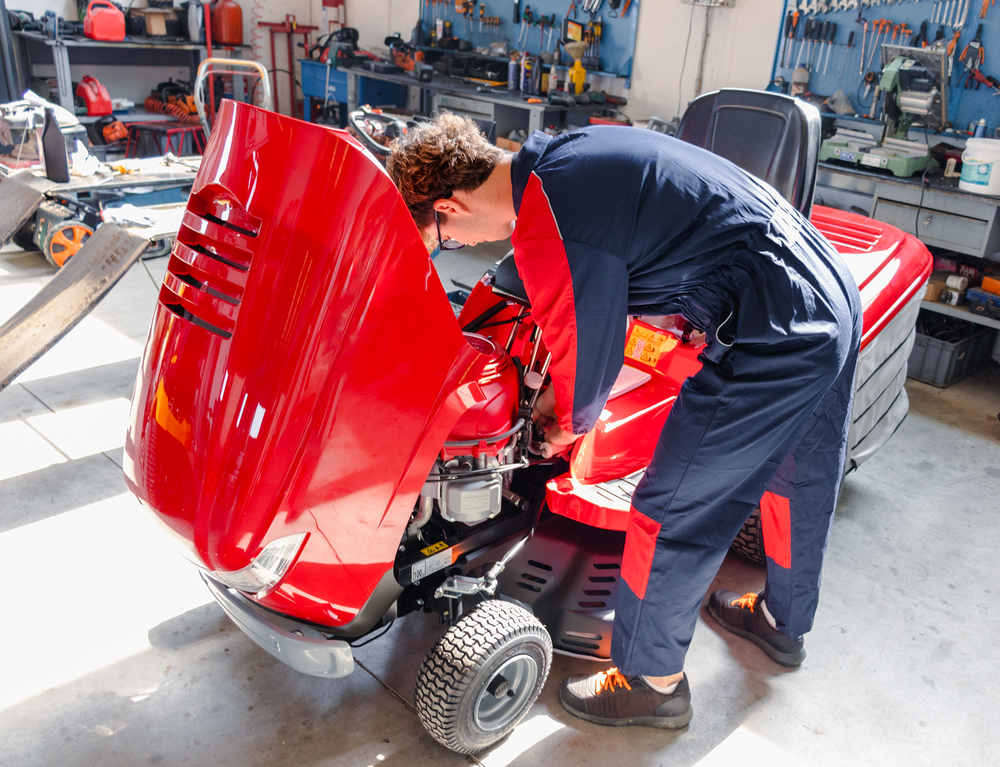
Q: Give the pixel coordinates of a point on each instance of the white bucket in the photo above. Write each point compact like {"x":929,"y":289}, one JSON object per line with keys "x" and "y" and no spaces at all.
{"x":980,"y":171}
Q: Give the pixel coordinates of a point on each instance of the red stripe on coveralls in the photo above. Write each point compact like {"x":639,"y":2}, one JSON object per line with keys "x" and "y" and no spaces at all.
{"x":640,"y":546}
{"x":776,"y":521}
{"x":542,"y":263}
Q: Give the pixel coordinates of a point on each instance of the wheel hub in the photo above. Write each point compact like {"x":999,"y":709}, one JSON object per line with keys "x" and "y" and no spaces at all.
{"x":508,"y":691}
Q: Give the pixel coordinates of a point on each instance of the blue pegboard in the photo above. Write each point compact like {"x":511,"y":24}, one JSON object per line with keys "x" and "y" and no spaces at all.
{"x":617,"y":40}
{"x":964,"y":105}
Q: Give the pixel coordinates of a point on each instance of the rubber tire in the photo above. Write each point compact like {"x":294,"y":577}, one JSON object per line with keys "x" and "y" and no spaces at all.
{"x":749,"y":541}
{"x":462,"y":664}
{"x":60,"y":259}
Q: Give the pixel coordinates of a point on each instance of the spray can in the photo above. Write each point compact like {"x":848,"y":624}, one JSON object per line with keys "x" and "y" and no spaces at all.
{"x":526,"y":74}
{"x":980,"y":128}
{"x":512,"y":74}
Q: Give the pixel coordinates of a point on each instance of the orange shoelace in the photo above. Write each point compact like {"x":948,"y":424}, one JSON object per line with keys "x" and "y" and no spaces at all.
{"x":746,"y":601}
{"x":608,"y":680}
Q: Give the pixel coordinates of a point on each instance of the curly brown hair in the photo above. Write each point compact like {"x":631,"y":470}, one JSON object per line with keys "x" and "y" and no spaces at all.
{"x":437,"y":158}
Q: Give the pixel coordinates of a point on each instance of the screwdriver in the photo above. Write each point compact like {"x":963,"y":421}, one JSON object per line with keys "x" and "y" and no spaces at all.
{"x":791,"y":21}
{"x":806,"y":34}
{"x":829,"y":44}
{"x":821,"y":31}
{"x":850,"y":43}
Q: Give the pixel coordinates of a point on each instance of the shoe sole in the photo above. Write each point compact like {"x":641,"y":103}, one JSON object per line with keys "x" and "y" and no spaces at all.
{"x":787,"y":659}
{"x":659,"y":722}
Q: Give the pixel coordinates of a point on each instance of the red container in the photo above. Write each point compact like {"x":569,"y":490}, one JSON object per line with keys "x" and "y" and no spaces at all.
{"x":227,"y":23}
{"x":104,"y":22}
{"x":95,"y":95}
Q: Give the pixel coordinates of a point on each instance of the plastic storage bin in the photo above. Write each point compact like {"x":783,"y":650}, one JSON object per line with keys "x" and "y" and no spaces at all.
{"x":941,"y":363}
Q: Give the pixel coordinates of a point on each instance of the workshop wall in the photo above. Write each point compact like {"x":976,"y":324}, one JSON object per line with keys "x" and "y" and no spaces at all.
{"x":739,"y":51}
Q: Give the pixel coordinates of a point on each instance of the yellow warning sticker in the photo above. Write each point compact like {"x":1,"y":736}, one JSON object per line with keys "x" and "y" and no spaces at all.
{"x":441,"y":545}
{"x":646,"y":345}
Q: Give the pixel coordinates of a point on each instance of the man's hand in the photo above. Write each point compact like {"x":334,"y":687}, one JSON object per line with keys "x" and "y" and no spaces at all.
{"x":544,"y":412}
{"x":543,"y":415}
{"x":557,"y":440}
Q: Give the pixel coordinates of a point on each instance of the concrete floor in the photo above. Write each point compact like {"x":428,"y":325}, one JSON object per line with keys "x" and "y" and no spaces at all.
{"x":112,"y":652}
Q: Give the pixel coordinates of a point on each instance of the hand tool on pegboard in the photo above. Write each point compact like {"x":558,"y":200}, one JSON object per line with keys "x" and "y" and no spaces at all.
{"x":847,"y":53}
{"x":791,"y":22}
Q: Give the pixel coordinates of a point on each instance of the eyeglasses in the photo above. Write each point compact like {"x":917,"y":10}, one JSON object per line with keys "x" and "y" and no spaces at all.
{"x":446,"y":244}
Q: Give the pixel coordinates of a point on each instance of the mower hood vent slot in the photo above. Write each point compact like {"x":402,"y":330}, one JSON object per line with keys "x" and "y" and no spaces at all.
{"x":184,"y":314}
{"x":217,"y":204}
{"x":218,"y":257}
{"x":194,"y":283}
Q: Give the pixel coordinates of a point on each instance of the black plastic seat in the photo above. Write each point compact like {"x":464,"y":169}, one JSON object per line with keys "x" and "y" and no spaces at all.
{"x":508,"y":283}
{"x":771,"y":136}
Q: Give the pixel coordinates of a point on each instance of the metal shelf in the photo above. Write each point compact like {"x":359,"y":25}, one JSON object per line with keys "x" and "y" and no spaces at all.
{"x":961,"y":313}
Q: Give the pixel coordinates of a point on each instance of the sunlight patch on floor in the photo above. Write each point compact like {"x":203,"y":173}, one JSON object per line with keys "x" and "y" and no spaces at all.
{"x":85,"y":430}
{"x":104,"y":564}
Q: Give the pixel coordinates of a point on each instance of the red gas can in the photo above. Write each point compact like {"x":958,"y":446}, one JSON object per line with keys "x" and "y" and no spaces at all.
{"x":95,"y":95}
{"x":104,"y":21}
{"x":227,"y":23}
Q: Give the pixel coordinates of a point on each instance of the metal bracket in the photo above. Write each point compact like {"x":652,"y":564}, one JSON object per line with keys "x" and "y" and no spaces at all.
{"x":457,"y":586}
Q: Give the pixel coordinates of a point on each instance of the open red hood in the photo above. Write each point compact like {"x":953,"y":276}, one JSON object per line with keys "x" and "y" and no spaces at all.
{"x":300,"y":359}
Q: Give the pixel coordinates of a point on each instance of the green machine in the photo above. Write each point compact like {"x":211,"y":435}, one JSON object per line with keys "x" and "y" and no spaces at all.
{"x":912,"y":96}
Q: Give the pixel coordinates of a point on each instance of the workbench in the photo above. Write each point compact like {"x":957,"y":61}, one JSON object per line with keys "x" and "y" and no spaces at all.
{"x":509,"y":112}
{"x":939,"y":214}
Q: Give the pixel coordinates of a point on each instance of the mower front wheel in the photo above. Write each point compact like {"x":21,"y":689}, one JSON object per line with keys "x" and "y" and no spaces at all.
{"x":482,"y":676}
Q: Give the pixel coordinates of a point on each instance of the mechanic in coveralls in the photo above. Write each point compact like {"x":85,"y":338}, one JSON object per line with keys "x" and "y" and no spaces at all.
{"x":608,"y":222}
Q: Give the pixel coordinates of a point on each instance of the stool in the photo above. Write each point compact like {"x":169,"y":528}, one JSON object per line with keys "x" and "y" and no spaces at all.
{"x":168,"y":128}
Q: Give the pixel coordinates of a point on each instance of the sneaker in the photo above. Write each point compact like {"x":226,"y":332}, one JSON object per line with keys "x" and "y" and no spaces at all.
{"x":611,"y":698}
{"x":738,"y":614}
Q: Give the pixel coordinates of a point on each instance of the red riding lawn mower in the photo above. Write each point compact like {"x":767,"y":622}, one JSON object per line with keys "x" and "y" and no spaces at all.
{"x":333,"y":448}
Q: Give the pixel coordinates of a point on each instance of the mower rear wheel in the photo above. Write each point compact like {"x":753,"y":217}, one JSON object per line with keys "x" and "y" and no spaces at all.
{"x":482,"y":676}
{"x":749,"y":541}
{"x":64,"y":240}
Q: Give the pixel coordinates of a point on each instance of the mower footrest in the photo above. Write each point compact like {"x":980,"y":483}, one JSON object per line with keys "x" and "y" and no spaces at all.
{"x":605,"y":505}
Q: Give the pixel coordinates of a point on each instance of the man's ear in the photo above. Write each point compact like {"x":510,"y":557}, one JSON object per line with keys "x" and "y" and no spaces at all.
{"x":450,"y":206}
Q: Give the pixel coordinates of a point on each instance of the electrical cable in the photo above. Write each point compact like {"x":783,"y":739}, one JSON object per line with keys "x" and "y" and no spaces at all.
{"x":680,"y":80}
{"x":374,"y":637}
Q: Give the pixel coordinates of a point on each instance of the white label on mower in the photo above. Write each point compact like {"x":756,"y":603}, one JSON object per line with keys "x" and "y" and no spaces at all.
{"x":432,"y":564}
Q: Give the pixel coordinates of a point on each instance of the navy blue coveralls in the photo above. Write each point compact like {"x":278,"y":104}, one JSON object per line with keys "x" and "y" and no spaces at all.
{"x":614,"y":221}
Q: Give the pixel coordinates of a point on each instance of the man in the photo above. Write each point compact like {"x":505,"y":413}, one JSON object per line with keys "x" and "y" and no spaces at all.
{"x":607,"y":222}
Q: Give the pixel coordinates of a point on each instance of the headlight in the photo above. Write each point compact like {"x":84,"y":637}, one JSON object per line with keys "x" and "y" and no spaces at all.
{"x":267,"y":568}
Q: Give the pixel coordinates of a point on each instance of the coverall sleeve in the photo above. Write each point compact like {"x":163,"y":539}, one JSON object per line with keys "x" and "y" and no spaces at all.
{"x":579,"y":298}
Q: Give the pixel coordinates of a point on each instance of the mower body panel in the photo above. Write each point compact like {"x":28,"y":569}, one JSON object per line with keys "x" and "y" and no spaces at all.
{"x":303,"y":366}
{"x":890,"y":268}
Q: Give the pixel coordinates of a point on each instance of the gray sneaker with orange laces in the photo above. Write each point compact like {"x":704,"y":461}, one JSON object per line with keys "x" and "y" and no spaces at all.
{"x":611,"y":698}
{"x":740,"y":615}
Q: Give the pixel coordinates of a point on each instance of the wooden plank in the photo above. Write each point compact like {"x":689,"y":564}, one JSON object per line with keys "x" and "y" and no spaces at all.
{"x":20,"y":197}
{"x":68,"y":297}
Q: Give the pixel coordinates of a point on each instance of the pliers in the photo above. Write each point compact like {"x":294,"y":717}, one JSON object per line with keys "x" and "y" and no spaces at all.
{"x":978,"y":53}
{"x":977,"y":76}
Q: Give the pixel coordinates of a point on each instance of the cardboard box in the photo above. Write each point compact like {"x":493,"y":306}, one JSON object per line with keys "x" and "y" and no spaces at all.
{"x":507,"y":144}
{"x":156,"y":19}
{"x":935,"y":284}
